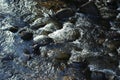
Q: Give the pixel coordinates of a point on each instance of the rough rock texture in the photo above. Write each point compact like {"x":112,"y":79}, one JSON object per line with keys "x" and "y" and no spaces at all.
{"x":59,"y":42}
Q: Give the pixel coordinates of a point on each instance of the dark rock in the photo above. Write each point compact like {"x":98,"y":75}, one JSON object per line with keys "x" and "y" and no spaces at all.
{"x":112,"y":4}
{"x":26,"y":35}
{"x":36,"y":49}
{"x":113,"y":35}
{"x":26,"y":51}
{"x":13,"y":29}
{"x":77,"y":3}
{"x":64,"y":13}
{"x":90,"y":8}
{"x":113,"y":45}
{"x":79,"y":65}
{"x":98,"y":76}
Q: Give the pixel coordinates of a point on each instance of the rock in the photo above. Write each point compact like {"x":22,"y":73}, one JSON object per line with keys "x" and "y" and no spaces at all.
{"x":113,"y":45}
{"x":36,"y":49}
{"x":51,"y":27}
{"x":113,"y":34}
{"x":42,"y":40}
{"x":108,"y":13}
{"x":13,"y":29}
{"x":112,"y":4}
{"x":26,"y":51}
{"x":64,"y":13}
{"x":67,"y":33}
{"x":98,"y":76}
{"x":38,"y":23}
{"x":59,"y":51}
{"x":79,"y":65}
{"x":68,"y":78}
{"x":26,"y":35}
{"x":48,"y":28}
{"x":90,"y":8}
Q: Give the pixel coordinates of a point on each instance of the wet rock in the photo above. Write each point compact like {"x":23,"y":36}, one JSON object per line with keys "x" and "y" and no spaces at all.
{"x":79,"y":65}
{"x":108,"y":13}
{"x":113,"y":44}
{"x":26,"y":35}
{"x":13,"y":29}
{"x":64,"y":13}
{"x":112,"y":4}
{"x":59,"y":51}
{"x":98,"y":76}
{"x":36,"y":49}
{"x":97,"y":63}
{"x":90,"y":8}
{"x":113,"y":34}
{"x":67,"y":33}
{"x":26,"y":51}
{"x":51,"y":27}
{"x":42,"y":40}
{"x":38,"y":23}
